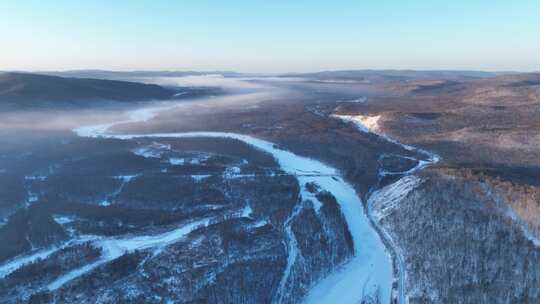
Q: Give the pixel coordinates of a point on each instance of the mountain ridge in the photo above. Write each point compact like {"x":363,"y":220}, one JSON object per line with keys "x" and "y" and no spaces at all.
{"x":26,"y":90}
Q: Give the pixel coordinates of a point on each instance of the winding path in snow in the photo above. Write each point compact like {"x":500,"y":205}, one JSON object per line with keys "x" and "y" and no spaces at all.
{"x":392,"y":194}
{"x":368,"y":272}
{"x":113,"y":248}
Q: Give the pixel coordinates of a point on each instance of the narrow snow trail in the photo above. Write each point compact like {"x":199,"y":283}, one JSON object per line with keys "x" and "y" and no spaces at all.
{"x":19,"y":261}
{"x":369,"y":271}
{"x":292,"y":250}
{"x":113,"y":248}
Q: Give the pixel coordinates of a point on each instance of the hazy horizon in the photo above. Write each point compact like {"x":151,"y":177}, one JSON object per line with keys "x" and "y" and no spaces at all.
{"x":217,"y":71}
{"x":270,"y":37}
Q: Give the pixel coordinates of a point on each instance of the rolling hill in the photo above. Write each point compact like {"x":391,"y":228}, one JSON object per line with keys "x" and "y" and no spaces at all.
{"x":24,"y":90}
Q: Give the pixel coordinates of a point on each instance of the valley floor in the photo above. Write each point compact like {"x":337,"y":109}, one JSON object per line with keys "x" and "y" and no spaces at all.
{"x":321,"y":192}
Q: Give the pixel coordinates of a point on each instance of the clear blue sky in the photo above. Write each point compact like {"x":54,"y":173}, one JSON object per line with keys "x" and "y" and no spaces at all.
{"x":270,"y":35}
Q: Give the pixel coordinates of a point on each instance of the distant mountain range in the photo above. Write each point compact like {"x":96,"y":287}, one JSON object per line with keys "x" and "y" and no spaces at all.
{"x":320,"y":75}
{"x":23,"y":90}
{"x":394,"y":75}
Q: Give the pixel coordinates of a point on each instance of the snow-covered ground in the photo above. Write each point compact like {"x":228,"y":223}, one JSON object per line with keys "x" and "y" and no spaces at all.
{"x":361,"y":99}
{"x":292,"y":255}
{"x":113,"y":248}
{"x":154,"y":150}
{"x":379,"y":203}
{"x":200,"y":177}
{"x":19,"y":261}
{"x":371,"y":124}
{"x":15,"y":263}
{"x":369,"y":271}
{"x":125,"y":179}
{"x":384,"y":200}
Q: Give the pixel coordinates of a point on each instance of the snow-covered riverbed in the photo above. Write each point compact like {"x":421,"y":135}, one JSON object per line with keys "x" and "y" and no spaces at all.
{"x":369,"y":271}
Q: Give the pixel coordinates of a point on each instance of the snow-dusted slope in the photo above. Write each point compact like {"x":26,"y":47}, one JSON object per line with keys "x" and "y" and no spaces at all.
{"x":370,"y":124}
{"x":381,"y":201}
{"x":370,"y":270}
